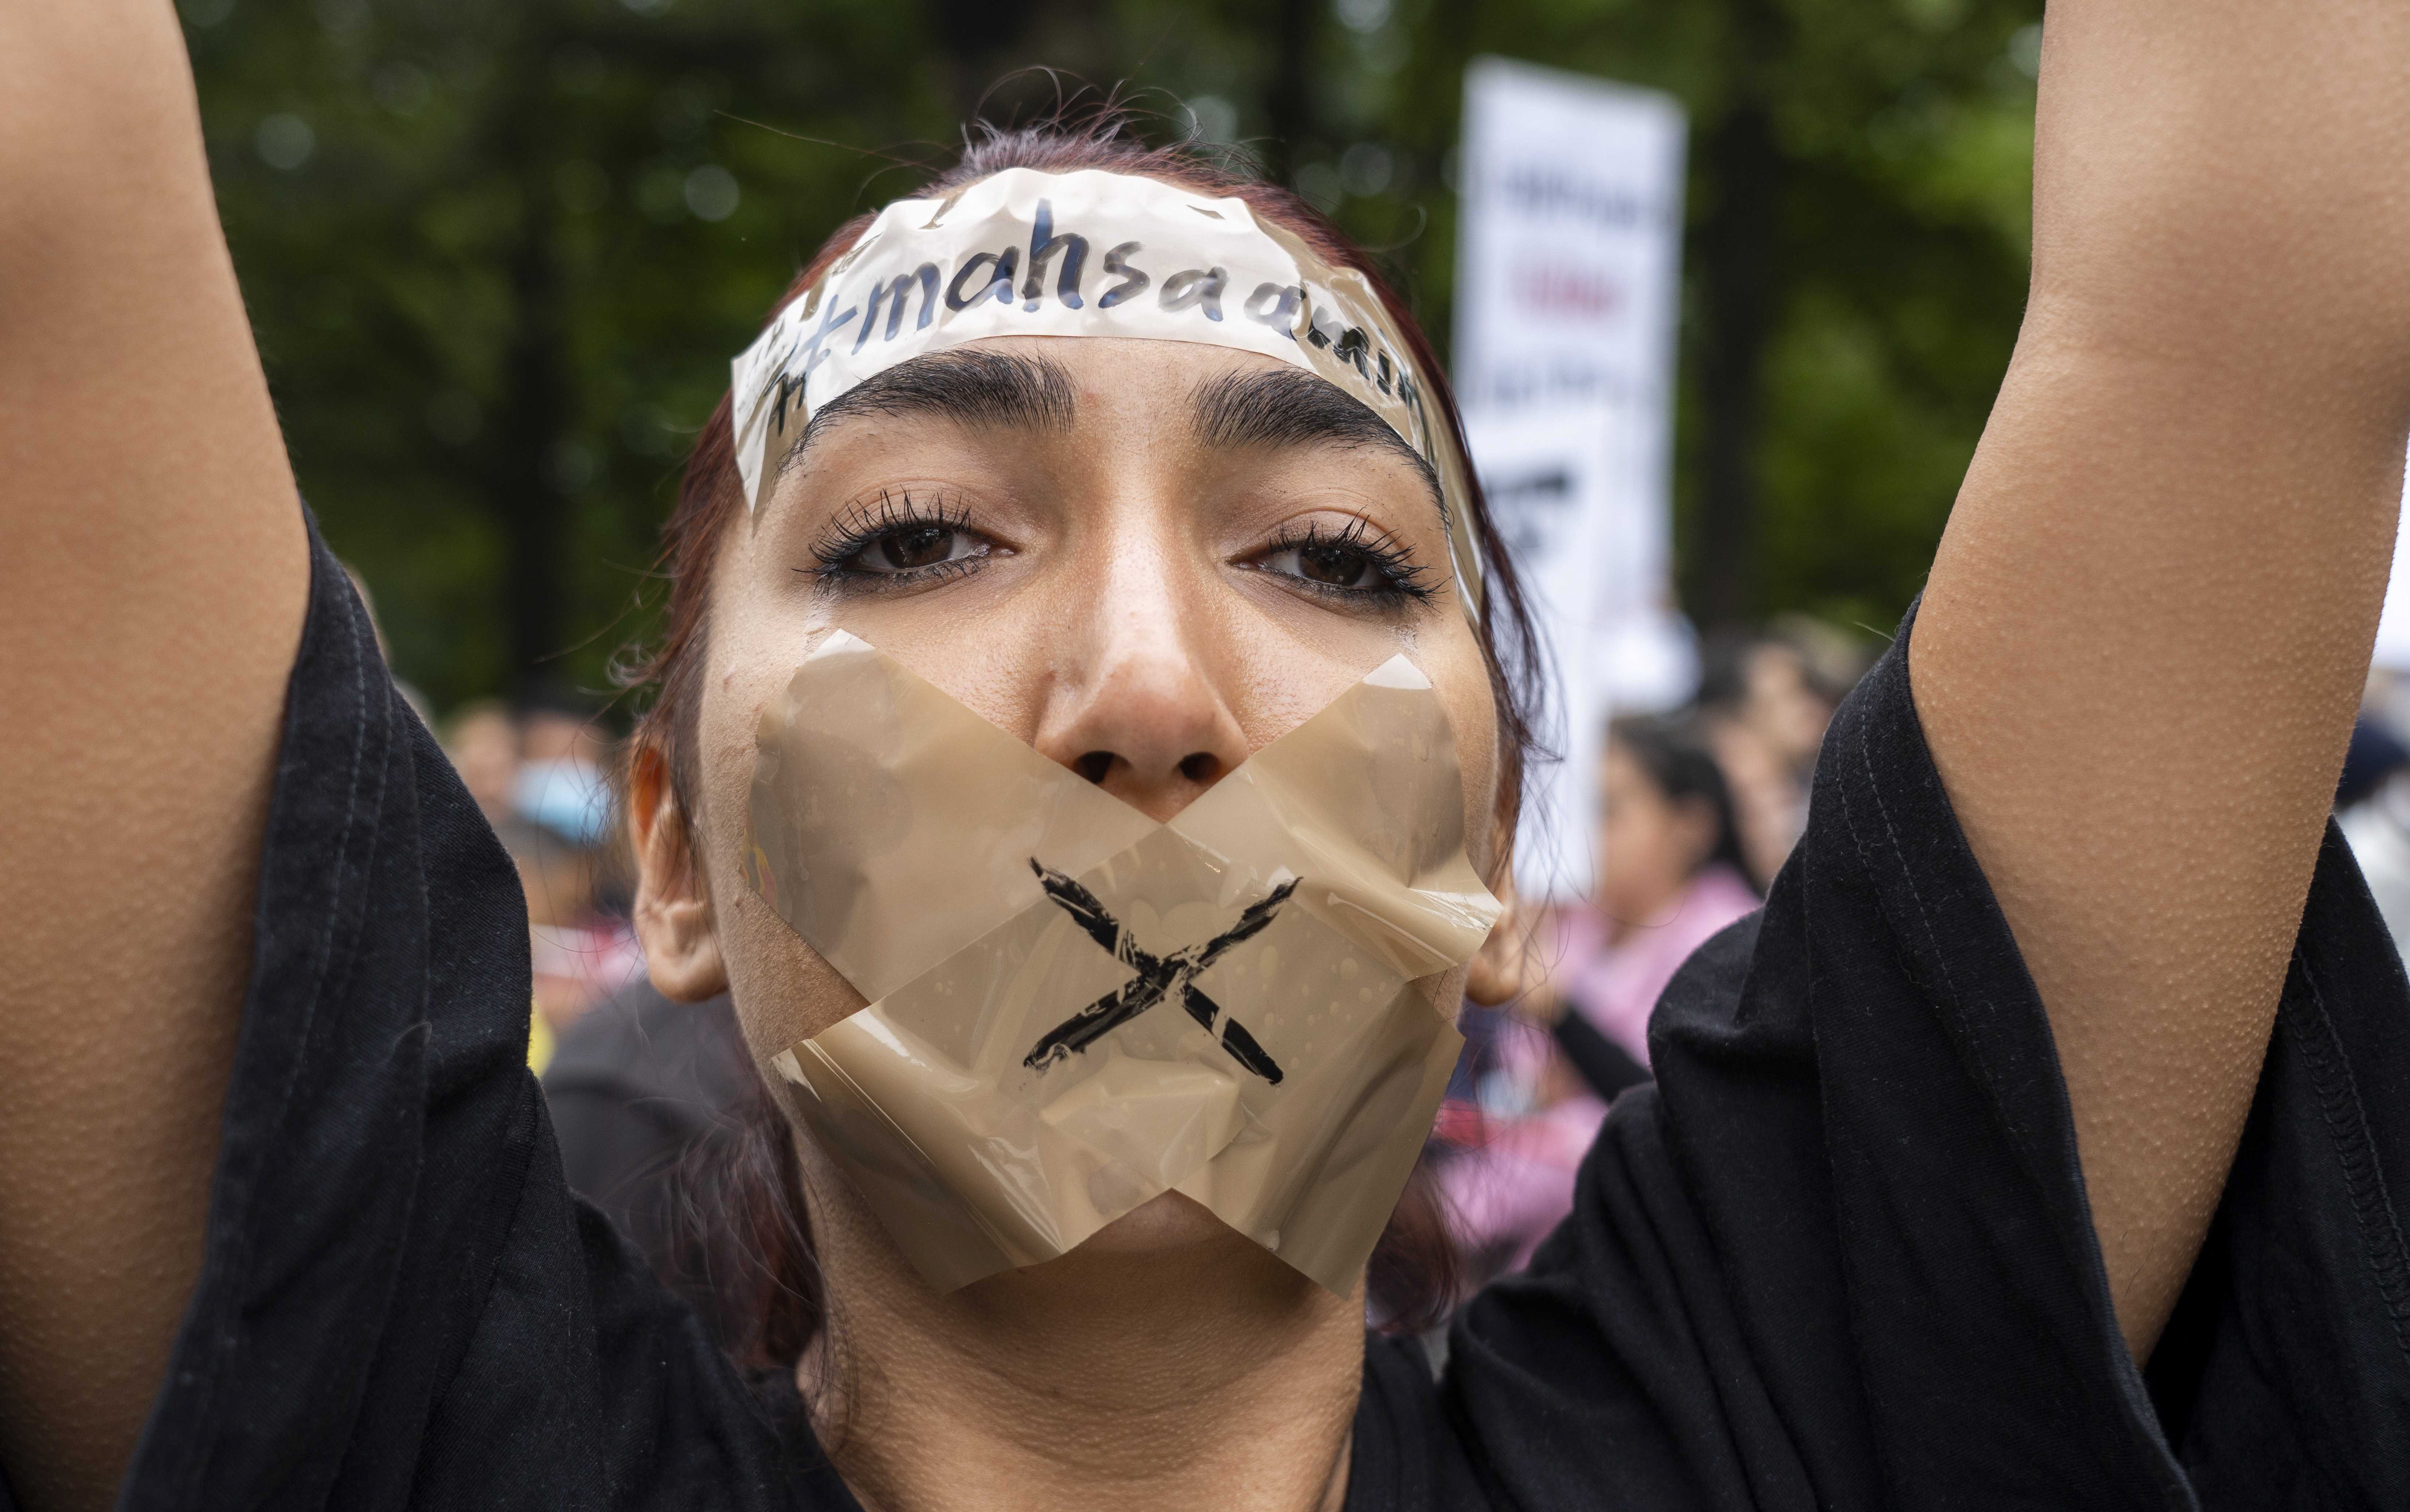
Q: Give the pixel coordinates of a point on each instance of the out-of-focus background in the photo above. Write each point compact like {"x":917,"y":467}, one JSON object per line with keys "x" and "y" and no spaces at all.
{"x":500,"y":252}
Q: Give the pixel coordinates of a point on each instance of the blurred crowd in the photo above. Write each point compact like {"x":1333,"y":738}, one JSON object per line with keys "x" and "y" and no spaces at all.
{"x":1699,"y":809}
{"x":539,"y":771}
{"x":2373,"y":797}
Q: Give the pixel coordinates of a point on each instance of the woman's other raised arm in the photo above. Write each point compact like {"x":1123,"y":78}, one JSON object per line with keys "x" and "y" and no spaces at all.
{"x":155,"y":572}
{"x":2146,"y":629}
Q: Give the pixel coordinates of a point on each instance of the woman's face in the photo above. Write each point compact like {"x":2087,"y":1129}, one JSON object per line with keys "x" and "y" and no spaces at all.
{"x":1145,"y":559}
{"x":1649,"y":845}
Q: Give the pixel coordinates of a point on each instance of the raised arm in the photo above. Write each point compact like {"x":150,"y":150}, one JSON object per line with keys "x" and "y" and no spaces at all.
{"x":154,"y":574}
{"x":2146,"y":629}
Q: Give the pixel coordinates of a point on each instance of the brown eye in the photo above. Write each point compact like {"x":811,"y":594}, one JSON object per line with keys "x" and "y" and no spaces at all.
{"x":1353,"y":562}
{"x":1336,"y":564}
{"x":921,"y":545}
{"x":896,"y":543}
{"x":913,"y":548}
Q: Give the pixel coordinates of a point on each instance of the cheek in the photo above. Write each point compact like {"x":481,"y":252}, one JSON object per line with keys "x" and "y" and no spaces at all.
{"x":782,"y":990}
{"x":1652,"y":838}
{"x":1480,"y":754}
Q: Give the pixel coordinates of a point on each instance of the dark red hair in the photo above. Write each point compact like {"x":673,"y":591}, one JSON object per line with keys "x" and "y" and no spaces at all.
{"x":753,"y":1242}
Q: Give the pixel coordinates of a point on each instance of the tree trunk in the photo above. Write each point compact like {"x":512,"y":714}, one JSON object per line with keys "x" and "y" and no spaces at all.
{"x":1288,"y":99}
{"x":536,"y":406}
{"x":533,"y":507}
{"x":1740,"y":268}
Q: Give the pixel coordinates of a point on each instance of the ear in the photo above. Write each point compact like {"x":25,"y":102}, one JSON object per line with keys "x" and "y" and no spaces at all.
{"x":672,"y":913}
{"x":1497,"y":970}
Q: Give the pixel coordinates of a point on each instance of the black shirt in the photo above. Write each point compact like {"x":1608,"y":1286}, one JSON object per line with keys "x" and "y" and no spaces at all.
{"x":1605,"y":1066}
{"x":1837,"y":1256}
{"x":647,"y":1097}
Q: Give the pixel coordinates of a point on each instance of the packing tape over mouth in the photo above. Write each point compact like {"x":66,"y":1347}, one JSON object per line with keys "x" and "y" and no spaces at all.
{"x":1090,"y":253}
{"x":1075,"y":1009}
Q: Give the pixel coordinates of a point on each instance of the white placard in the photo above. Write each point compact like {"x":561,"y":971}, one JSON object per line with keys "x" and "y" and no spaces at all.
{"x":1546,"y":471}
{"x":1569,"y":251}
{"x":1568,"y":281}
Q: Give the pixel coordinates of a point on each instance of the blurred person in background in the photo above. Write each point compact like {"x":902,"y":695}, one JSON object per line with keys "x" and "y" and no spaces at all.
{"x":582,"y":941}
{"x":2008,"y":1157}
{"x":2374,"y":755}
{"x":1669,"y":876}
{"x":1765,"y":701}
{"x":538,"y":777}
{"x":579,"y":952}
{"x":482,"y":738}
{"x":560,"y":782}
{"x":2372,"y":808}
{"x":656,"y":1106}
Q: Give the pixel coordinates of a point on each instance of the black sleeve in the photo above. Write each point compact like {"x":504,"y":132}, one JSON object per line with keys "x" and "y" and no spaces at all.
{"x":400,"y":1304}
{"x":1841,"y":1257}
{"x":1608,"y":1067}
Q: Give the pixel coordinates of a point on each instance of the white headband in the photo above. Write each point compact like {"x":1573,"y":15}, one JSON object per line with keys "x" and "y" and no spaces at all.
{"x":1087,"y":254}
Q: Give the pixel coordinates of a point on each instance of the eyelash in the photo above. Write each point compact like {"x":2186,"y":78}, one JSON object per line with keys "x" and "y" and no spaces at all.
{"x":865,"y":524}
{"x":862,"y":526}
{"x":1403,"y":577}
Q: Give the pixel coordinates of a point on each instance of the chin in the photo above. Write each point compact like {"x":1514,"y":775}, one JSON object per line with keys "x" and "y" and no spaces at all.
{"x":1162,"y":1225}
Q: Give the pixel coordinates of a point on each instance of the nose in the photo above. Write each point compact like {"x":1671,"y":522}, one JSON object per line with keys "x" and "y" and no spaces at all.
{"x":1135,"y":708}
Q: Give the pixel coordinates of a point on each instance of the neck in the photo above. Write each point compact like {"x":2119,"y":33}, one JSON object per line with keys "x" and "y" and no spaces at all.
{"x":1168,"y":1363}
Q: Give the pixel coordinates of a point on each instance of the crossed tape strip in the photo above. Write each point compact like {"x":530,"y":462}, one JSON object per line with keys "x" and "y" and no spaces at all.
{"x":1008,"y":1091}
{"x":1158,"y":977}
{"x":890,"y":826}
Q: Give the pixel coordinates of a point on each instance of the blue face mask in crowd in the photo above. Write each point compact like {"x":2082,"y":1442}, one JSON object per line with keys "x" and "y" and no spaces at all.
{"x":566,"y":795}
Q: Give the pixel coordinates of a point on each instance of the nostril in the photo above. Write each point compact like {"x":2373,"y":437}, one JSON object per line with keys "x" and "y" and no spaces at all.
{"x":1094,"y":765}
{"x":1201,"y":766}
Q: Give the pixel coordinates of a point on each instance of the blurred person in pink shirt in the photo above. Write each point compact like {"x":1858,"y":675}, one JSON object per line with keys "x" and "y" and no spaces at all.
{"x":1670,"y":875}
{"x":1764,"y":702}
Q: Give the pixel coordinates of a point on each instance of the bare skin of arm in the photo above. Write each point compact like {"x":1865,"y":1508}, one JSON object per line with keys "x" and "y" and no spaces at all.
{"x":156,"y":574}
{"x":2145,"y":632}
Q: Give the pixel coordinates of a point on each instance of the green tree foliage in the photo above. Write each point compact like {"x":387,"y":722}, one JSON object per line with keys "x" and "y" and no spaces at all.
{"x":498,"y":252}
{"x":1861,"y":174}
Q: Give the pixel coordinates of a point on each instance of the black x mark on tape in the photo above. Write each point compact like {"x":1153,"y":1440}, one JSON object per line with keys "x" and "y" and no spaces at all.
{"x":1158,"y":977}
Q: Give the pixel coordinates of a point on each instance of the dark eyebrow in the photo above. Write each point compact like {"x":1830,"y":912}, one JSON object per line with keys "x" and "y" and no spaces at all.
{"x":967,"y":386}
{"x":1290,"y":407}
